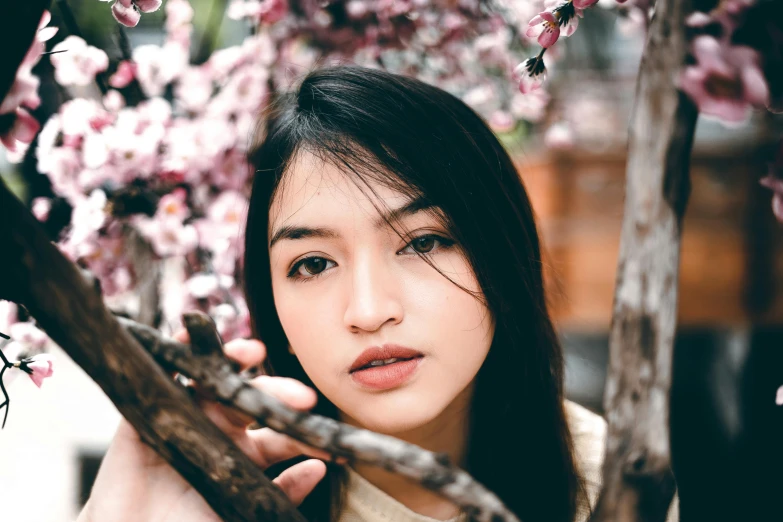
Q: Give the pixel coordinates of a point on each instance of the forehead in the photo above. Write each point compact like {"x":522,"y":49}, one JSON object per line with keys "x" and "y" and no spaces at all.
{"x":315,"y":190}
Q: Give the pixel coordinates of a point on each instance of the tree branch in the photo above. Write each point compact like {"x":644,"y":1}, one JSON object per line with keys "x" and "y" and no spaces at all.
{"x":637,"y":481}
{"x":34,"y":273}
{"x":217,"y":376}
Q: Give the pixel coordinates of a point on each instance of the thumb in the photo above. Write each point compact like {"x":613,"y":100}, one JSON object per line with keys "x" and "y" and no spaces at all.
{"x":299,"y":480}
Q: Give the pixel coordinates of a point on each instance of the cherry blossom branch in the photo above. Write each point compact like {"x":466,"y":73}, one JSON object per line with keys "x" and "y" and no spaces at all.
{"x":37,"y":275}
{"x":638,"y":484}
{"x":218,"y":377}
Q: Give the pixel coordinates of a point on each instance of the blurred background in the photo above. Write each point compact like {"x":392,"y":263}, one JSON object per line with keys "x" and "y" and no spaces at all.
{"x":572,"y":156}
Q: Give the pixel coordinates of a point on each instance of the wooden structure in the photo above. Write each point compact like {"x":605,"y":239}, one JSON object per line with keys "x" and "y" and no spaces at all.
{"x":732,"y":247}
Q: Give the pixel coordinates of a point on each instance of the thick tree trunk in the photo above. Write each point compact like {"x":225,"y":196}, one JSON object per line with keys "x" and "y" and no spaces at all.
{"x":637,"y":481}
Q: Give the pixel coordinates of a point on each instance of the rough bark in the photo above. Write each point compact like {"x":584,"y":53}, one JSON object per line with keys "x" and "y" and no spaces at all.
{"x":637,"y":481}
{"x":65,"y":305}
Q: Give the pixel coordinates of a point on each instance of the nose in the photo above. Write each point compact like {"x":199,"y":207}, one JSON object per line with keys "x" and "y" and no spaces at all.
{"x":374,"y":298}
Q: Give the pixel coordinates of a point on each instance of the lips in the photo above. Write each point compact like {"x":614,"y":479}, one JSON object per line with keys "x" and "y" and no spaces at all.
{"x":383,"y":353}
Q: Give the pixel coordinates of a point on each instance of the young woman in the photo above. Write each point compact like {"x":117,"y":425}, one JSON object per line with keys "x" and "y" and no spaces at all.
{"x":394,"y":278}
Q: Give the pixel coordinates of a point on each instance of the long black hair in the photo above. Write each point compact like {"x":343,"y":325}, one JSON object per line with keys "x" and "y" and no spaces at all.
{"x":426,"y":142}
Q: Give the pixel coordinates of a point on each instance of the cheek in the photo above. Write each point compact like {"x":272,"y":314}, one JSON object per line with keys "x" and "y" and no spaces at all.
{"x":449,"y":322}
{"x":311,"y":326}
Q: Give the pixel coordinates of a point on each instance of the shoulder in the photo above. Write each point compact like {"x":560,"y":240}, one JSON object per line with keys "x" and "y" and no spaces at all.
{"x":588,"y":430}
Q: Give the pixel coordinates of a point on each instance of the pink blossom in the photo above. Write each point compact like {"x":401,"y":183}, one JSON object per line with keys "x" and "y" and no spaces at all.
{"x":113,"y":101}
{"x":165,"y":230}
{"x":23,"y":130}
{"x":223,"y":61}
{"x":8,"y":315}
{"x":545,"y":27}
{"x":95,"y":151}
{"x":531,"y":106}
{"x":244,"y":91}
{"x":725,"y":82}
{"x":229,"y":211}
{"x":633,"y":23}
{"x":502,"y":121}
{"x":148,"y":6}
{"x":232,"y":321}
{"x":128,"y":16}
{"x":29,"y":335}
{"x":81,"y":116}
{"x":698,"y":19}
{"x":173,"y":205}
{"x":23,"y":95}
{"x":158,"y":66}
{"x":78,"y":63}
{"x":356,"y":8}
{"x":559,"y":136}
{"x":584,"y":4}
{"x":776,"y":184}
{"x":40,"y":208}
{"x":88,"y":216}
{"x":169,"y":237}
{"x":24,"y":92}
{"x":179,"y":15}
{"x":572,"y":24}
{"x":774,"y":180}
{"x":530,"y":74}
{"x":125,"y":73}
{"x":38,"y":367}
{"x":194,"y":88}
{"x":203,"y":285}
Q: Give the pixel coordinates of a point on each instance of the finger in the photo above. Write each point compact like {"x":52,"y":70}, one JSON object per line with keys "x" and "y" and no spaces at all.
{"x":182,"y":336}
{"x":290,"y":391}
{"x":247,"y":352}
{"x":294,"y":393}
{"x":299,"y":480}
{"x":263,"y":446}
{"x":270,"y":447}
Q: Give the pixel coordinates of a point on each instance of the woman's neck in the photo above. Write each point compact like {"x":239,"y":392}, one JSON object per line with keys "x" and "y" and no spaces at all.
{"x":447,"y":433}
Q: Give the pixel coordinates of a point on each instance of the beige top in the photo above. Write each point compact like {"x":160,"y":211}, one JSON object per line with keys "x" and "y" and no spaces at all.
{"x":367,"y":503}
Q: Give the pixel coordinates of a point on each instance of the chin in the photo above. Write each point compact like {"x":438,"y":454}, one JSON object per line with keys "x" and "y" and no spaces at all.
{"x":394,"y":417}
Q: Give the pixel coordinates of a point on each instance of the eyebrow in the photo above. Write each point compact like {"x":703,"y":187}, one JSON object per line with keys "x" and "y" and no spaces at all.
{"x":300,"y":232}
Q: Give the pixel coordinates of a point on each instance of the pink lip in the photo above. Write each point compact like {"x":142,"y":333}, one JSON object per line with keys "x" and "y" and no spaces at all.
{"x":387,"y":351}
{"x":388,"y":376}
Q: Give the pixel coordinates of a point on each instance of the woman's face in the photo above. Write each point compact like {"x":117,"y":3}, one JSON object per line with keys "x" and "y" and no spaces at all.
{"x":344,"y":281}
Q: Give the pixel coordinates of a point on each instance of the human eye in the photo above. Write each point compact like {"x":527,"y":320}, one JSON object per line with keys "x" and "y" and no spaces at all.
{"x":427,"y":244}
{"x":309,"y":268}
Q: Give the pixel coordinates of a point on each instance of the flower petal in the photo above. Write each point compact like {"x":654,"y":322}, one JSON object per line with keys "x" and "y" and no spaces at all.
{"x":127,"y":16}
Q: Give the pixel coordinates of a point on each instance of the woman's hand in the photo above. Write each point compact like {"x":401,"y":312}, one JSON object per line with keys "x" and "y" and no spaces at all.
{"x":134,"y":483}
